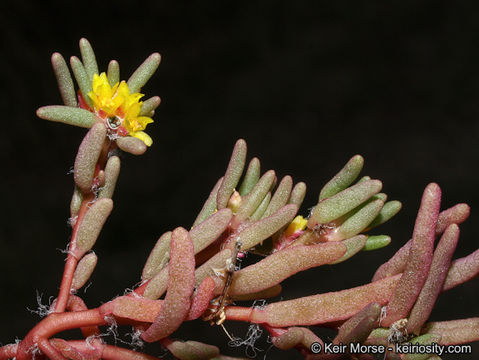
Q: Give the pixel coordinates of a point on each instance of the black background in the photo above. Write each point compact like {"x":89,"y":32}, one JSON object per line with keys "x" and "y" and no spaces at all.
{"x":307,"y":84}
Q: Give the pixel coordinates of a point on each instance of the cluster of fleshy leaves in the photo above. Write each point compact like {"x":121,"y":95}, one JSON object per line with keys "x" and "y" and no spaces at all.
{"x":102,"y":97}
{"x":195,"y":274}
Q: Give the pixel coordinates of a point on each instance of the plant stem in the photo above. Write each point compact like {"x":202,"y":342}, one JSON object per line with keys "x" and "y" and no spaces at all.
{"x":55,"y":323}
{"x":8,"y":351}
{"x":72,"y":260}
{"x":73,"y":257}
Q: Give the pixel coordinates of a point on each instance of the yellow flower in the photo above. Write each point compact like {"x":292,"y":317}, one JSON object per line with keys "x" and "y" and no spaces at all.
{"x":298,"y":224}
{"x":119,"y":108}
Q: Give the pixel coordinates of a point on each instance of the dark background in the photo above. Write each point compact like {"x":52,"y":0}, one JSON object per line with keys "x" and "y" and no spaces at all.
{"x":307,"y":85}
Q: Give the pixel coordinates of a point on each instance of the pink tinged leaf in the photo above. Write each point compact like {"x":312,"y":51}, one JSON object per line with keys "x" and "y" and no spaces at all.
{"x":308,"y":237}
{"x":396,"y":265}
{"x":324,"y":308}
{"x":134,"y":308}
{"x":206,"y":232}
{"x":282,"y":264}
{"x":263,"y":294}
{"x":309,"y":337}
{"x":84,"y":270}
{"x":192,"y":350}
{"x":435,"y":279}
{"x":296,"y":336}
{"x":251,"y":201}
{"x":343,"y":202}
{"x":353,"y":246}
{"x":454,"y":215}
{"x":209,"y":206}
{"x":158,"y":284}
{"x":297,"y":194}
{"x":201,"y":298}
{"x":148,"y":107}
{"x":251,"y":177}
{"x":201,"y":235}
{"x":233,"y":174}
{"x":181,"y":283}
{"x":280,"y":197}
{"x":343,"y":178}
{"x":91,"y":225}
{"x":131,"y":145}
{"x":455,"y":331}
{"x":259,"y":231}
{"x":358,"y":327}
{"x":289,"y":339}
{"x":462,"y":270}
{"x":420,"y":257}
{"x":87,"y":157}
{"x":100,"y":180}
{"x":112,"y":170}
{"x":158,"y":257}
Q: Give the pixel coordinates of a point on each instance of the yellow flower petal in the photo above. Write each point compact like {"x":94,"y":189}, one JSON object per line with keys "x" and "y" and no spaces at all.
{"x":144,"y":120}
{"x":132,"y":111}
{"x":117,"y":101}
{"x":298,"y":224}
{"x":143,"y":136}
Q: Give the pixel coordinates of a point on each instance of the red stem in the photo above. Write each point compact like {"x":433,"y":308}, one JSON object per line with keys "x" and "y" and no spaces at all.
{"x":55,"y":323}
{"x":239,"y":313}
{"x":72,"y":260}
{"x":73,"y":256}
{"x":8,"y":351}
{"x":75,"y":303}
{"x":48,"y":349}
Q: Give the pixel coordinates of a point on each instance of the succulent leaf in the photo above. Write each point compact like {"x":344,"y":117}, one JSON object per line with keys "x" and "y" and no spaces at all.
{"x":67,"y":115}
{"x":233,"y":173}
{"x":113,"y":72}
{"x":88,"y":58}
{"x":343,"y":178}
{"x":92,"y":223}
{"x":420,"y":257}
{"x":144,"y":72}
{"x":343,"y":202}
{"x":87,"y":157}
{"x":180,"y":287}
{"x":64,"y":80}
{"x":251,"y":177}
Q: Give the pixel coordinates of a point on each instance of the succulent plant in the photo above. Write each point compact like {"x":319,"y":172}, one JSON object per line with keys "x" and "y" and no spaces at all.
{"x":246,"y":240}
